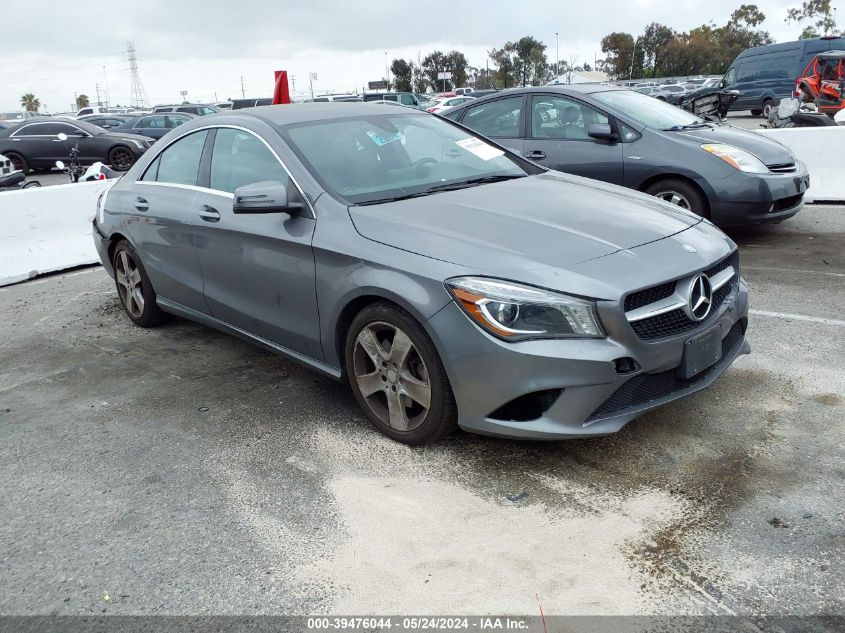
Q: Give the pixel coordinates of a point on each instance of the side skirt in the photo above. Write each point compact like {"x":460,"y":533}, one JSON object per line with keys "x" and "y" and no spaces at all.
{"x":194,"y":315}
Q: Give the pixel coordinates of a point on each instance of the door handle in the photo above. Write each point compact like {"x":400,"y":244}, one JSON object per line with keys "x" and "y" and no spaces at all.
{"x":536,"y":155}
{"x":141,"y":204}
{"x":209,"y":214}
{"x":56,"y":140}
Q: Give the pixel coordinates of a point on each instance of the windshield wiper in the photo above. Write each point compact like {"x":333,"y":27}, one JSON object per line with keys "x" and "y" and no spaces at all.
{"x":451,"y":186}
{"x":689,"y":126}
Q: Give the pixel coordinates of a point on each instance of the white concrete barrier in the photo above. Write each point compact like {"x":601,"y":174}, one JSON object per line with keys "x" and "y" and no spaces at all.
{"x":823,"y":150}
{"x":47,"y":229}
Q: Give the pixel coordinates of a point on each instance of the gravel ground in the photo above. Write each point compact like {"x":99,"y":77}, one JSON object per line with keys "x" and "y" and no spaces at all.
{"x":181,"y":471}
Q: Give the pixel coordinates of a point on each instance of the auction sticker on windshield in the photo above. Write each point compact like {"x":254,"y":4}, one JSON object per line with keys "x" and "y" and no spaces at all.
{"x":480,"y":148}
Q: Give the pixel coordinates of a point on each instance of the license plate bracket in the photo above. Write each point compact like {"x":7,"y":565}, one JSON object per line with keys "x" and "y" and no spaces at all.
{"x":701,"y":351}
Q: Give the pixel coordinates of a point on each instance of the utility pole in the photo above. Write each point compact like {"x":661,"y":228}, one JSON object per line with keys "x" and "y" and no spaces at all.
{"x":312,"y":77}
{"x":99,"y":101}
{"x":138,"y":98}
{"x":243,"y":92}
{"x":108,"y":96}
{"x":293,"y":83}
{"x":631,"y":72}
{"x":557,"y":56}
{"x":386,"y":71}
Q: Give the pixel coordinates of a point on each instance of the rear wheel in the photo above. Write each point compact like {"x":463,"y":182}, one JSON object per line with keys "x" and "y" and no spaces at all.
{"x":121,"y":158}
{"x":18,"y":162}
{"x":134,"y":288}
{"x":397,"y":376}
{"x":680,"y":193}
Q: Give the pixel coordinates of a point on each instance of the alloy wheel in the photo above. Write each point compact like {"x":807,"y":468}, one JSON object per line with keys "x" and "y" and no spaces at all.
{"x":121,"y":158}
{"x":391,"y":376}
{"x":129,"y":284}
{"x":675,"y":198}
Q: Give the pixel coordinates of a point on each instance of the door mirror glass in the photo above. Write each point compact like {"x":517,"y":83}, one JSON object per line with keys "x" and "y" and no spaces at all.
{"x":268,"y":196}
{"x":600,"y":131}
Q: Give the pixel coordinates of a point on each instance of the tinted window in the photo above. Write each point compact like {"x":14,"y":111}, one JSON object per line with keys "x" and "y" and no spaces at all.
{"x":407,"y":100}
{"x":239,"y":159}
{"x":562,"y":118}
{"x":179,"y":163}
{"x":174,"y":120}
{"x":46,"y":129}
{"x":496,"y":119}
{"x":767,"y":67}
{"x":151,"y":122}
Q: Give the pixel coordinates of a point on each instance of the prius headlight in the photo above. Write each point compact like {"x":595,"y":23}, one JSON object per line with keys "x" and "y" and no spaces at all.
{"x":515,"y":312}
{"x":736,"y":158}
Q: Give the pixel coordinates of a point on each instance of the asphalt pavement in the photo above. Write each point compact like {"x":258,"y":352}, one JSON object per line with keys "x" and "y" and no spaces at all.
{"x":181,"y":471}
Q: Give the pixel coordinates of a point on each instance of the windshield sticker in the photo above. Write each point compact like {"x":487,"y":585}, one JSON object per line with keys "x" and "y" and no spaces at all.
{"x":380,"y":140}
{"x":479,"y":148}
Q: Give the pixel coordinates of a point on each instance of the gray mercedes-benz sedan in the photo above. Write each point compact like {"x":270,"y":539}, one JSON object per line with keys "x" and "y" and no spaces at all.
{"x":451,"y":282}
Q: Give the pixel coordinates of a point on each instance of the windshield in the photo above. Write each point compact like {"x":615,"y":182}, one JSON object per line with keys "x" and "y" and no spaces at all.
{"x":647,"y":110}
{"x":371,"y":159}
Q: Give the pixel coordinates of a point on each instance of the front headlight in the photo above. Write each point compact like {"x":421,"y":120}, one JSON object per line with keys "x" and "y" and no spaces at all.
{"x":736,"y":158}
{"x":514,"y":312}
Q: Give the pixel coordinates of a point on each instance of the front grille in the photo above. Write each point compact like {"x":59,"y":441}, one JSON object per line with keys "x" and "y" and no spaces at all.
{"x":783,"y":168}
{"x":646,"y":388}
{"x":677,"y":321}
{"x":786,"y":203}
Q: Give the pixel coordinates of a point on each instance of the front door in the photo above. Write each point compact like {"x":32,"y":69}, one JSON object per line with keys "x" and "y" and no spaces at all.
{"x":258,"y":269}
{"x":558,"y":139}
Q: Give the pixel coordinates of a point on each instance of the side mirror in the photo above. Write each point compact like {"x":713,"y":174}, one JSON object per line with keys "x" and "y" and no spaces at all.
{"x":268,"y":196}
{"x":62,"y":136}
{"x":601,"y":132}
{"x":60,"y":164}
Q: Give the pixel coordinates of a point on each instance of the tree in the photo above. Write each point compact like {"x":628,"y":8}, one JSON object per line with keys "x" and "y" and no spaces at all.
{"x":820,"y":11}
{"x":29,"y":102}
{"x":402,"y":75}
{"x":433,"y":64}
{"x":522,"y":62}
{"x":619,"y":48}
{"x":457,"y":64}
{"x":82,"y":101}
{"x":419,"y":81}
{"x":503,"y":59}
{"x":655,"y":42}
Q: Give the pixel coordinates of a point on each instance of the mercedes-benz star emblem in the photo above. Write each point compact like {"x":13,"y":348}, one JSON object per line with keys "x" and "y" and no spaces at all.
{"x":700,"y":298}
{"x":689,"y":248}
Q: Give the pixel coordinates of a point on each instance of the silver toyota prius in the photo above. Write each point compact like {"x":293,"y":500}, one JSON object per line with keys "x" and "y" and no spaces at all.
{"x":451,"y":282}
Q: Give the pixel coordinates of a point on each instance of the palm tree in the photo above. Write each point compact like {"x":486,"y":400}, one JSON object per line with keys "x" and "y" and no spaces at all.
{"x":30,"y":102}
{"x":82,"y":101}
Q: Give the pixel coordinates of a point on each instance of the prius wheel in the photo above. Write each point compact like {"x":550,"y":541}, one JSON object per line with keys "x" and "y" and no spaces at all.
{"x":121,"y":158}
{"x":397,"y":376}
{"x":134,"y":288}
{"x":681,"y":194}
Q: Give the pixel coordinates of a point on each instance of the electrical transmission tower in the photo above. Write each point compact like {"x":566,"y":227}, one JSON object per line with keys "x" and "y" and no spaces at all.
{"x":139,"y":95}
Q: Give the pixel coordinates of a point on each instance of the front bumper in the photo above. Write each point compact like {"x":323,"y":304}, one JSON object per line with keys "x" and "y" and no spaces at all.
{"x":487,"y":374}
{"x":745,"y":199}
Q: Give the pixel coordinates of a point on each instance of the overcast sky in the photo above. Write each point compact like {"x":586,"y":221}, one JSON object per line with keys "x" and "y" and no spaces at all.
{"x":205,"y":47}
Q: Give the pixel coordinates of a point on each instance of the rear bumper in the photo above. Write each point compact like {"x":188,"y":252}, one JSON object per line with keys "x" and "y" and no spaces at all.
{"x":101,"y":243}
{"x":745,"y":199}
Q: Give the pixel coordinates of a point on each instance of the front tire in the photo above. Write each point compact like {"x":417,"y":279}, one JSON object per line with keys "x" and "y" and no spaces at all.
{"x":680,"y":193}
{"x":768,"y":104}
{"x":121,"y":158}
{"x":397,"y":376}
{"x":18,"y":162}
{"x":134,"y":289}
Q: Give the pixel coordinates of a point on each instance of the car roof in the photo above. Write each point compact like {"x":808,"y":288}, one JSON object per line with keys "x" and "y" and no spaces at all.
{"x":294,"y":113}
{"x":831,"y":55}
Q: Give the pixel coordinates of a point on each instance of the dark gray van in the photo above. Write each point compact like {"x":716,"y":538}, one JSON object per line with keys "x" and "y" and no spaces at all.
{"x":767,"y":74}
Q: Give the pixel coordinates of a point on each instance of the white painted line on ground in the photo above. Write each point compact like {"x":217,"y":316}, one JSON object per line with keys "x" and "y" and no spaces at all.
{"x":797,"y":317}
{"x":793,"y":270}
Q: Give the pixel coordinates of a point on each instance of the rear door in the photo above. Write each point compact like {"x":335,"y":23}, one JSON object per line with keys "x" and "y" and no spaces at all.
{"x":258,"y":269}
{"x":502,"y":120}
{"x":163,"y":221}
{"x":557,"y":138}
{"x":154,"y":126}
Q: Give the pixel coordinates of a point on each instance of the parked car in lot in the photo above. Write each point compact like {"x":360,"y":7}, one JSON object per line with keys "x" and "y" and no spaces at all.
{"x":727,"y":174}
{"x":448,"y":281}
{"x":35,"y":145}
{"x":154,"y":126}
{"x":106,"y":121}
{"x":404,"y":98}
{"x":673,"y":94}
{"x":333,"y":97}
{"x":198,"y":109}
{"x":448,"y":102}
{"x":240,"y":104}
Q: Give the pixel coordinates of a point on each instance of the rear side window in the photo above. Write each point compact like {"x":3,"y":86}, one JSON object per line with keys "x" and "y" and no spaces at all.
{"x":85,"y":111}
{"x":239,"y":158}
{"x":180,"y":163}
{"x":497,"y":119}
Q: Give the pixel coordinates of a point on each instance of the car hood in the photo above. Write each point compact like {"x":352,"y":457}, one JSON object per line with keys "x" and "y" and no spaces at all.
{"x":543,"y":221}
{"x":767,"y":150}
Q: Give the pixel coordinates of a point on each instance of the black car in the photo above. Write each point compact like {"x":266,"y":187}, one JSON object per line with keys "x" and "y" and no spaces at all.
{"x":154,"y":125}
{"x":240,"y":104}
{"x":105,"y":121}
{"x":730,"y":175}
{"x":198,"y":109}
{"x":36,"y":145}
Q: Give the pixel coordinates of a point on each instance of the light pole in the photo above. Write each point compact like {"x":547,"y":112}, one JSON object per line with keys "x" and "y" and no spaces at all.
{"x":633,"y":52}
{"x":557,"y":56}
{"x":386,"y":71}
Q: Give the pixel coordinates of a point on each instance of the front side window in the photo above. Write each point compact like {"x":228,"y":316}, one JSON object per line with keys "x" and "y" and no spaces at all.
{"x":180,"y":163}
{"x":85,"y":111}
{"x":497,"y":119}
{"x":562,"y":118}
{"x":371,"y":159}
{"x":407,"y":100}
{"x":240,"y":158}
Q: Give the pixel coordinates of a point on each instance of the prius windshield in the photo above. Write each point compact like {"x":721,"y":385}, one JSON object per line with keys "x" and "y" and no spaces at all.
{"x":648,"y":111}
{"x":383,"y":158}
